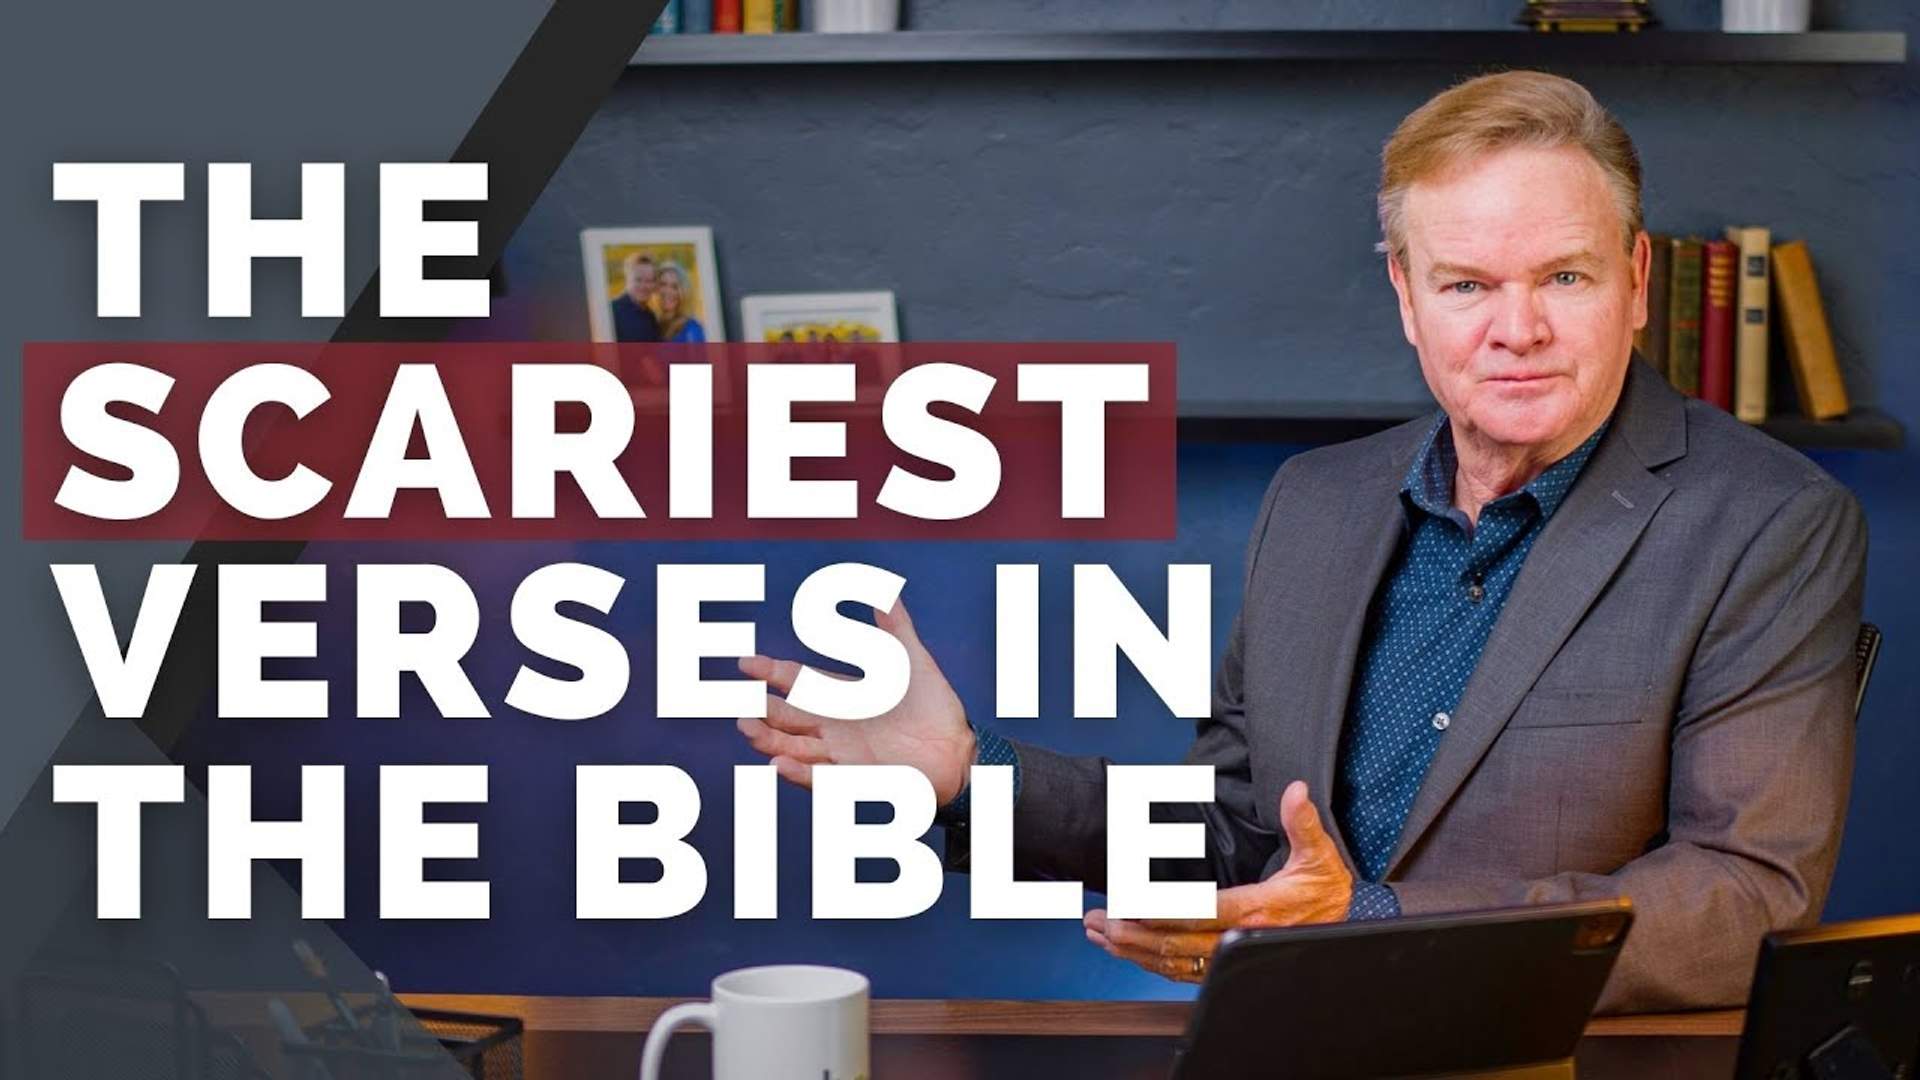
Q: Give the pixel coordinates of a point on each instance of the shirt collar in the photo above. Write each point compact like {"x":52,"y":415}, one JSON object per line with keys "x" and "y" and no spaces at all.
{"x":1429,"y":480}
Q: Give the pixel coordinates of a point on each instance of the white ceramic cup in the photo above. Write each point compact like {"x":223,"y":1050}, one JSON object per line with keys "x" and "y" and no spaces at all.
{"x":785,"y":1022}
{"x":1766,"y":16}
{"x":856,"y":16}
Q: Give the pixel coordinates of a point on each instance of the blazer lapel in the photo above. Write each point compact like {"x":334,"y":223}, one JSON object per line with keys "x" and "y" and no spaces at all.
{"x":1575,"y":556}
{"x":1372,"y":522}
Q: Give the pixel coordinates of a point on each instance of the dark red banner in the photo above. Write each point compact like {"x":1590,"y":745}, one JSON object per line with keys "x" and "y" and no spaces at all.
{"x":292,"y":435}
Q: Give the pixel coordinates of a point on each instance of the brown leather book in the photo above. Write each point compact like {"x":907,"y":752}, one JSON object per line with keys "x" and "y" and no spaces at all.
{"x":1750,"y":324}
{"x":1683,"y":316}
{"x":1809,"y":340}
{"x":1716,"y":324}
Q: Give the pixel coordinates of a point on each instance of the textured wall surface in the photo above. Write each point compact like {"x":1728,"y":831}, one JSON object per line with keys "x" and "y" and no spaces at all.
{"x":1224,"y":207}
{"x":1227,"y":207}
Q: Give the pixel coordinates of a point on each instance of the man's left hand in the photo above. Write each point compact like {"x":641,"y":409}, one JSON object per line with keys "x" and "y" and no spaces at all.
{"x":1314,"y":886}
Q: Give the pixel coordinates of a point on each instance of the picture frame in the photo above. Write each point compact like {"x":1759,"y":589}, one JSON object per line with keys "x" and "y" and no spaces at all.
{"x":828,"y":316}
{"x":615,"y":315}
{"x":843,"y":325}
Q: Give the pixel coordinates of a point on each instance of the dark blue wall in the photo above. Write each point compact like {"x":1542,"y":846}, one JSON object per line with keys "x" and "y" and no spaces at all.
{"x":1227,"y":208}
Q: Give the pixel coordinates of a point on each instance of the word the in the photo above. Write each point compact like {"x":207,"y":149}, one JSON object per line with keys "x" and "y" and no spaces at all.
{"x":317,"y":840}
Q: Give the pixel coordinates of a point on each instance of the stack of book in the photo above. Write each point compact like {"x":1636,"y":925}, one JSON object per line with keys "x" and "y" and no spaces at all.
{"x":1587,"y":15}
{"x":1710,"y":307}
{"x":728,"y":17}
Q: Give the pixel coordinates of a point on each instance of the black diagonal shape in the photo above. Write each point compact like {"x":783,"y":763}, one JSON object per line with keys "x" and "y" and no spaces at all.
{"x":524,"y":132}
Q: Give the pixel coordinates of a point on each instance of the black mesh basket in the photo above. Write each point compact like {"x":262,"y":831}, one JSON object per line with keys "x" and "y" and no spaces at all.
{"x":131,"y":1020}
{"x":481,"y":1047}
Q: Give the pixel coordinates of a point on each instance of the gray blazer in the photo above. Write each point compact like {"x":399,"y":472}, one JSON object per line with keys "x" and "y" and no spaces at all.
{"x":1663,"y":710}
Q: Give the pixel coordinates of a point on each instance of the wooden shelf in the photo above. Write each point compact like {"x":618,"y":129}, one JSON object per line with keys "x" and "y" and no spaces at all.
{"x":1516,"y":46}
{"x":1296,"y":422}
{"x":1864,"y":429}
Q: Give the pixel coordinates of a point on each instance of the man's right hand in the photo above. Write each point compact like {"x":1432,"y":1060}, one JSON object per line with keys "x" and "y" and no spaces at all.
{"x":928,"y":729}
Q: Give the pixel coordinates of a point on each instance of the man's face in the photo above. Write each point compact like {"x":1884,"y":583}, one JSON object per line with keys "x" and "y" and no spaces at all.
{"x":640,"y":280}
{"x":1520,"y":296}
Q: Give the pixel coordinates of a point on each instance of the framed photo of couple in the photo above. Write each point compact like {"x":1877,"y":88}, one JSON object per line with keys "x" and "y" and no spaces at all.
{"x":652,"y":285}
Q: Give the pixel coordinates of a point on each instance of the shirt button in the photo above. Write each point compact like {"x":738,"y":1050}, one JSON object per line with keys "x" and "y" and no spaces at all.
{"x":1441,"y":720}
{"x":1476,"y":592}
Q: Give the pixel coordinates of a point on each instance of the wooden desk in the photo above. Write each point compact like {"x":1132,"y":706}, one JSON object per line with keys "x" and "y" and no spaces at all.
{"x":588,"y":1038}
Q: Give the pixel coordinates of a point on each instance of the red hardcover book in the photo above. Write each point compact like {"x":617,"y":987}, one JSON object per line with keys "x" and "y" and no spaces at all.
{"x":726,"y":16}
{"x":1716,"y":322}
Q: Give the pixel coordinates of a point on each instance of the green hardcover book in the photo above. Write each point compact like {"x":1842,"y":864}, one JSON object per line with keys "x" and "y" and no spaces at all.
{"x":1652,"y":338}
{"x":1683,"y":316}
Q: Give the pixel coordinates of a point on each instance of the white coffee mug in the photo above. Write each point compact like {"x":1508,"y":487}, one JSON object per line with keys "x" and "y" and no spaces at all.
{"x":784,"y":1022}
{"x":1765,"y":16}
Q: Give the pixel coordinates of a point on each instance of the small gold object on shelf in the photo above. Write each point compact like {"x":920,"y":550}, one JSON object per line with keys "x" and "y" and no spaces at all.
{"x":1606,"y":16}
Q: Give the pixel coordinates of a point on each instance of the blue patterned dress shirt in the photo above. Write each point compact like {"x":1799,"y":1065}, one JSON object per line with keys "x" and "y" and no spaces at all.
{"x":1428,"y":624}
{"x":1426,"y":628}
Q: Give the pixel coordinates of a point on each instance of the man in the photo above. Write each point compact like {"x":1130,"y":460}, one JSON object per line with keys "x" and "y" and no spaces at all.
{"x":1574,"y":636}
{"x":633,"y":317}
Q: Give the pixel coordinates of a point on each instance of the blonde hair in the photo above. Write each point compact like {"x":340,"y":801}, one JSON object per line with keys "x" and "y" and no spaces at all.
{"x":670,"y":324}
{"x":1500,"y":112}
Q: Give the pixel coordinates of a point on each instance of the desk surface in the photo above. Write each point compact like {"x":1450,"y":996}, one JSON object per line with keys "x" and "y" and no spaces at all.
{"x":588,"y":1038}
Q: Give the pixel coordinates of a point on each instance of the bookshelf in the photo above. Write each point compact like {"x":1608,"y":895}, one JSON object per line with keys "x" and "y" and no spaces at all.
{"x":1323,"y":422}
{"x":1317,"y":422}
{"x":1513,"y":47}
